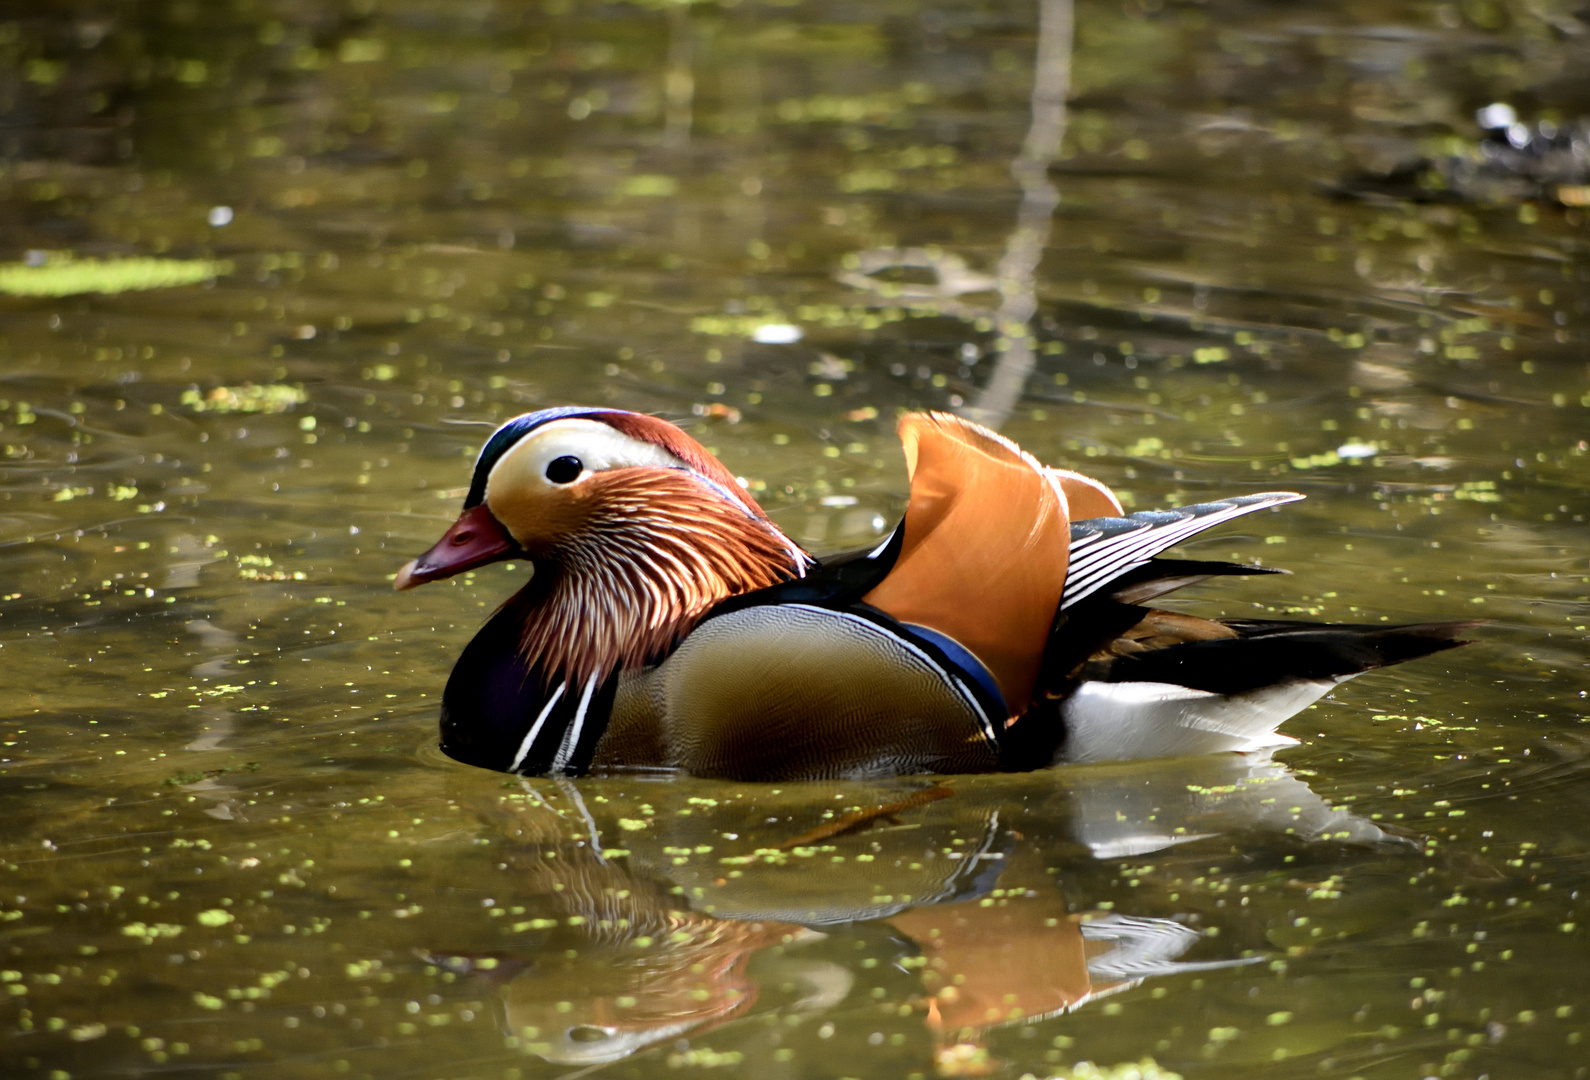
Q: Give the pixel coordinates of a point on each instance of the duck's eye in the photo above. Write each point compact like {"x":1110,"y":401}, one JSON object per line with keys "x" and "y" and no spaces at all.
{"x":565,"y":469}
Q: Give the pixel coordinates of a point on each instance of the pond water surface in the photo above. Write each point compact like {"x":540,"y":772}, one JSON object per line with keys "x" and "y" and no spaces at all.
{"x":231,"y":849}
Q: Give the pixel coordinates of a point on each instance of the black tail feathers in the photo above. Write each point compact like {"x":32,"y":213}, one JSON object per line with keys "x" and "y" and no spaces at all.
{"x":1265,"y":653}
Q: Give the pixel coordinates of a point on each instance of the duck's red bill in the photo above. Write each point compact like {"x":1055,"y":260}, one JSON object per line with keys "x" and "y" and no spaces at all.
{"x":475,"y":539}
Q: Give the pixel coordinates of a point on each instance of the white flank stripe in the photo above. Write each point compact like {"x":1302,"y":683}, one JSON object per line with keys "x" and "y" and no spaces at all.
{"x":571,"y":738}
{"x":535,"y":728}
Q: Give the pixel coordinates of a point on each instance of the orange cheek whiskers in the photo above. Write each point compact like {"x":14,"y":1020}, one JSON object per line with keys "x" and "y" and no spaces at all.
{"x":656,"y":551}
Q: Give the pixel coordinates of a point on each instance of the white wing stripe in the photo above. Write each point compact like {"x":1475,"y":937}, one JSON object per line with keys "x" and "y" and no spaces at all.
{"x":1110,"y":552}
{"x":1141,"y":546}
{"x":1108,"y":558}
{"x":1133,"y":548}
{"x":1128,"y":551}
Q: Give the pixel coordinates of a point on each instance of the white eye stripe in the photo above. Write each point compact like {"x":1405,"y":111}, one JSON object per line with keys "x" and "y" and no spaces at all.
{"x":597,"y":446}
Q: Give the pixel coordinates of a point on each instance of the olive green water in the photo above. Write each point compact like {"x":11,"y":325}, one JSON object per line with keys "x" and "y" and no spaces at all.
{"x":230,"y":847}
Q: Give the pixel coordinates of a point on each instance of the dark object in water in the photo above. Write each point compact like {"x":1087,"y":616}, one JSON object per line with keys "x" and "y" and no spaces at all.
{"x":1510,"y":162}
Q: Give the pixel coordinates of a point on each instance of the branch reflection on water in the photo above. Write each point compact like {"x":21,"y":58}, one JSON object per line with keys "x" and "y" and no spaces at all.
{"x":713,"y":913}
{"x":1018,"y":290}
{"x":1016,"y":278}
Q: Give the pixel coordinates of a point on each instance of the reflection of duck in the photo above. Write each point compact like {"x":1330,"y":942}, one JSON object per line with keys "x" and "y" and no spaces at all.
{"x":1119,"y":811}
{"x":1025,"y":958}
{"x":609,"y":1006}
{"x":663,"y":951}
{"x":670,"y":623}
{"x":647,"y":969}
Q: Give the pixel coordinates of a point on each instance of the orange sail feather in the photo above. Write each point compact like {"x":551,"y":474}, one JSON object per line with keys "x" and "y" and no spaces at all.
{"x":984,"y":552}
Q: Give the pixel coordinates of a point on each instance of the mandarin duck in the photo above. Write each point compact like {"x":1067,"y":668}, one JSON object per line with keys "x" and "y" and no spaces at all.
{"x":669,"y":624}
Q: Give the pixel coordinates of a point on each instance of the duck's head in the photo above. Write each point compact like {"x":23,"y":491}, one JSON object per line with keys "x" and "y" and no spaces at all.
{"x":551,"y":483}
{"x":632,"y":515}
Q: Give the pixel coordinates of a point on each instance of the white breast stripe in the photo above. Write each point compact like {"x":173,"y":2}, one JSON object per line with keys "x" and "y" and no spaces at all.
{"x":535,"y":728}
{"x":1104,"y":560}
{"x":571,"y":738}
{"x":949,"y":680}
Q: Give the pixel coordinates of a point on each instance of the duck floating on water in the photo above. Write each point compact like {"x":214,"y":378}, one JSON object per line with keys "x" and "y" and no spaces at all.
{"x":1001,"y":626}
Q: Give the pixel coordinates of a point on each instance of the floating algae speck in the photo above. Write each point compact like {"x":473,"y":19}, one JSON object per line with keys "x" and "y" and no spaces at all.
{"x":248,"y":398}
{"x":62,"y":275}
{"x":1147,"y":1069}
